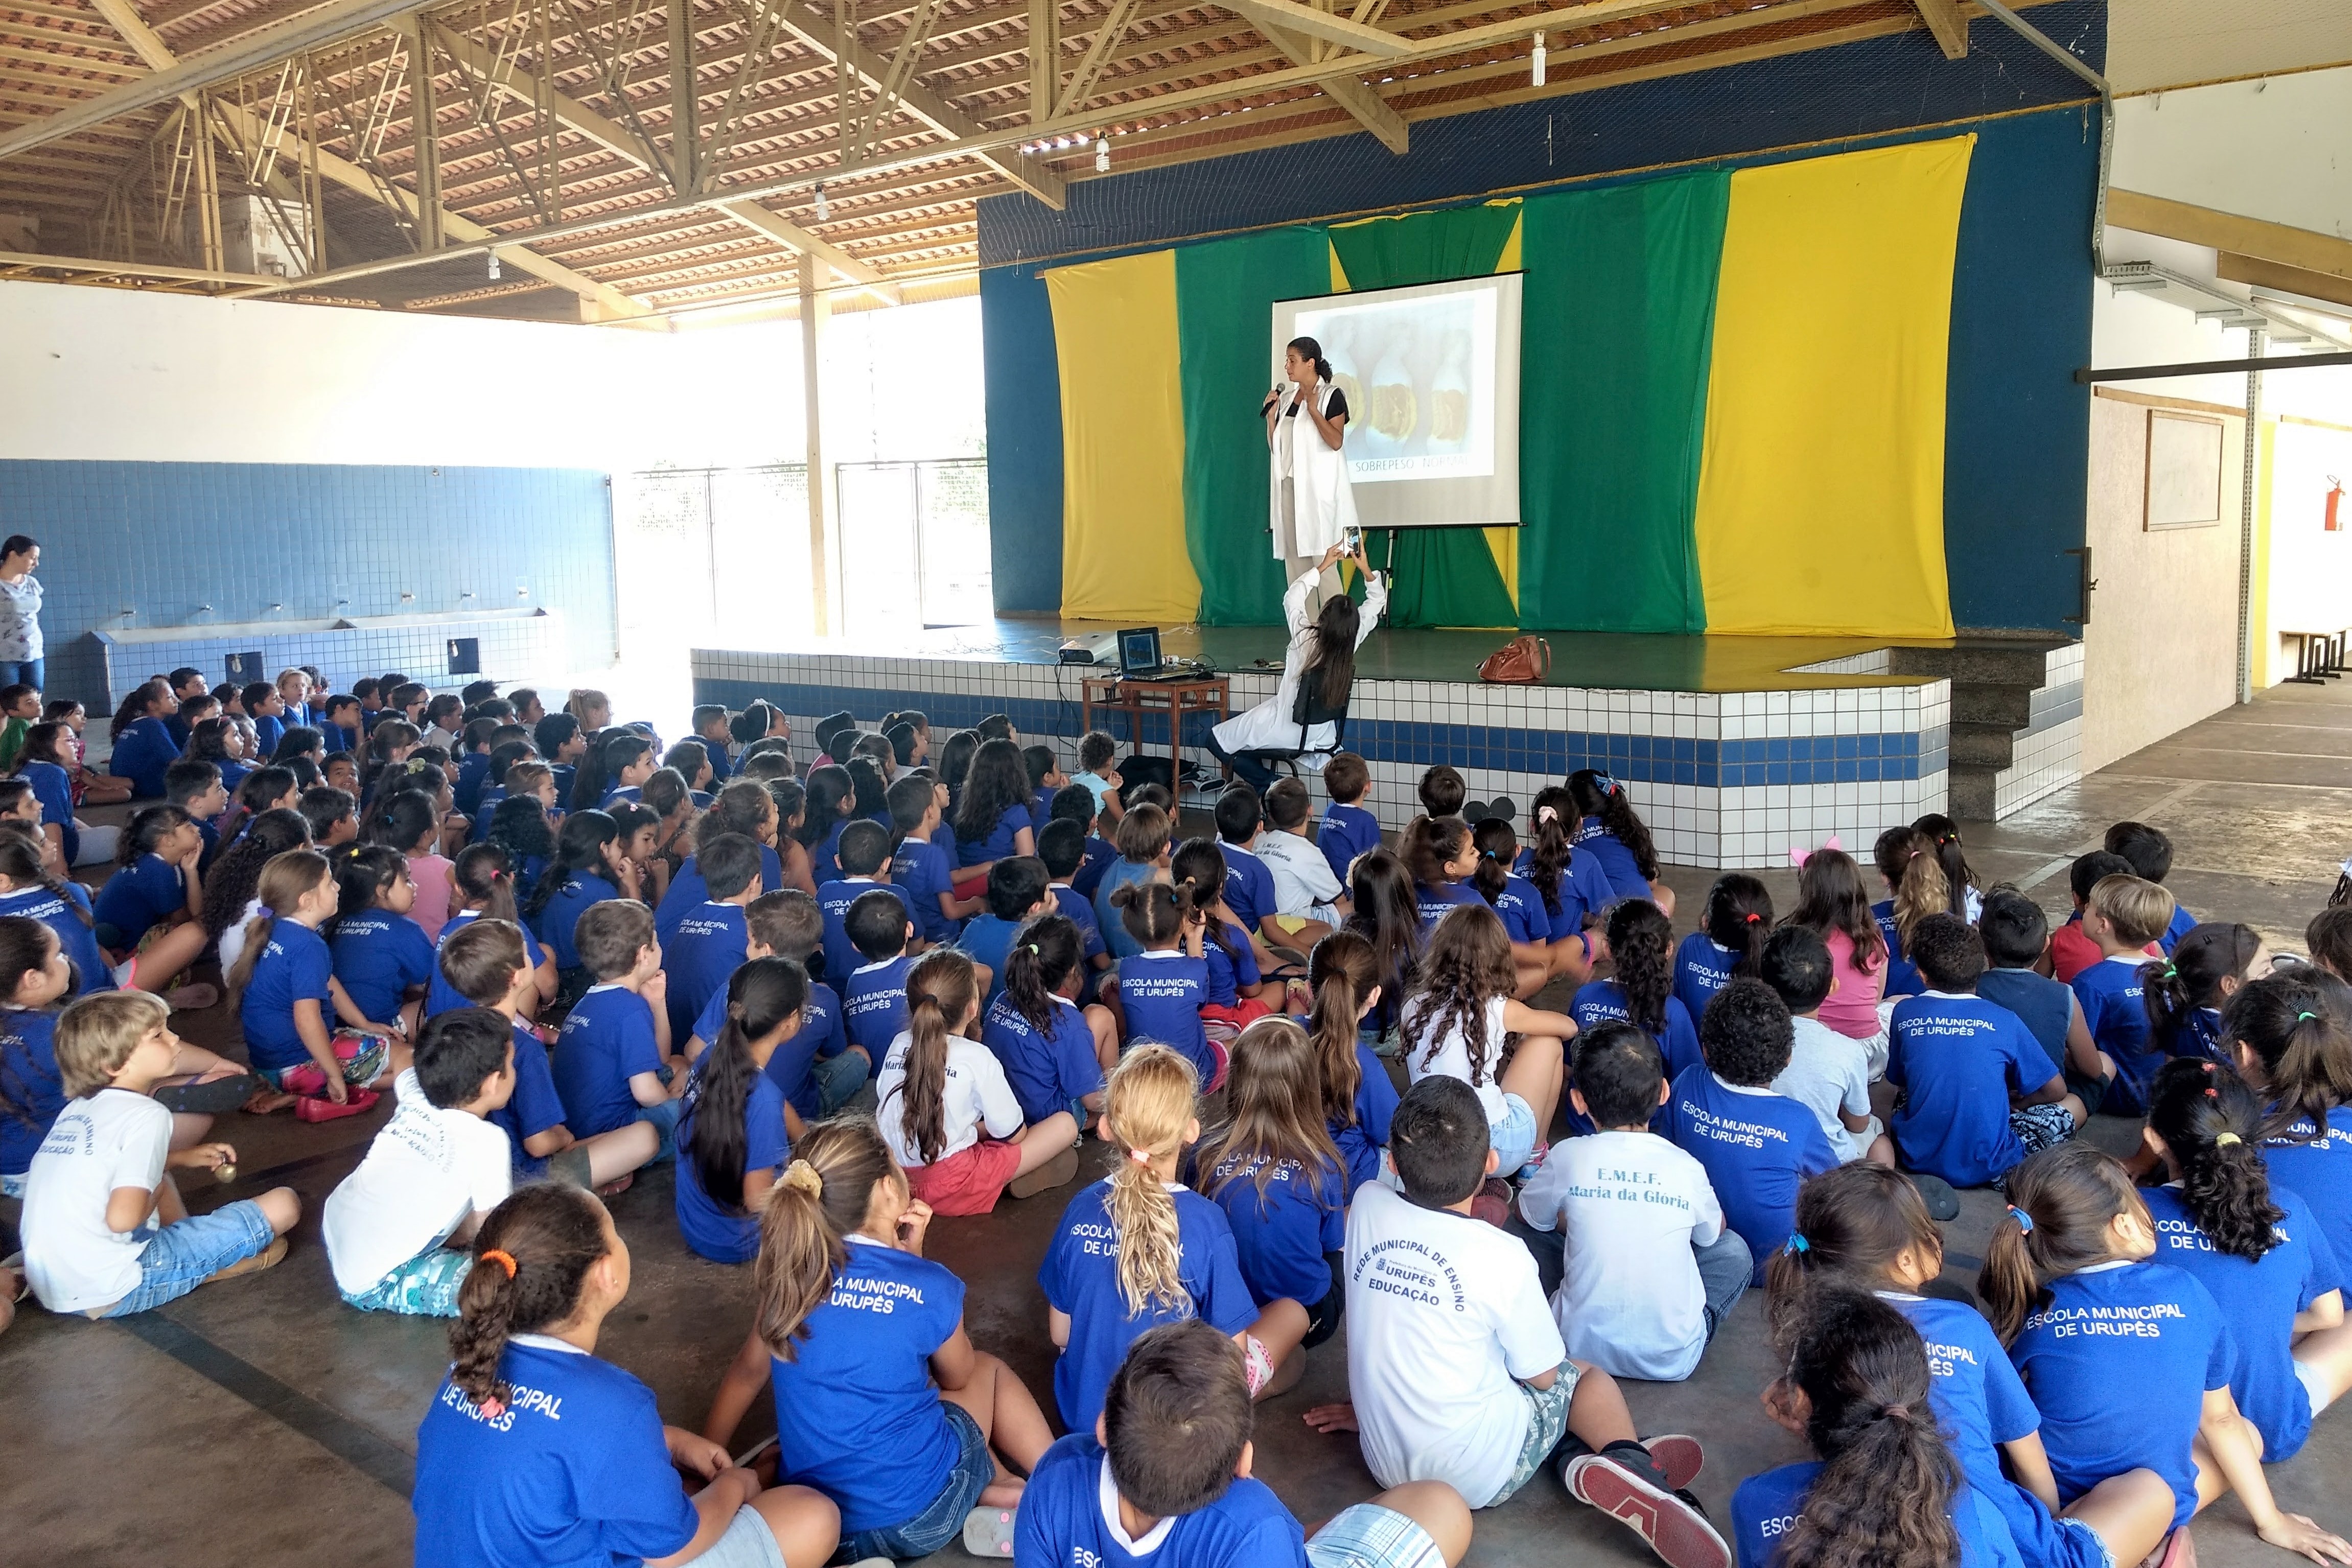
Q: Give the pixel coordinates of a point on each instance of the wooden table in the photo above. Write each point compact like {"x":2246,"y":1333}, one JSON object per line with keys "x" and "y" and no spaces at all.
{"x":1176,"y":698}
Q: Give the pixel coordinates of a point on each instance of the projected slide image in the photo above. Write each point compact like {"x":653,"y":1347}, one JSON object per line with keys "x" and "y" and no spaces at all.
{"x":1418,"y":374}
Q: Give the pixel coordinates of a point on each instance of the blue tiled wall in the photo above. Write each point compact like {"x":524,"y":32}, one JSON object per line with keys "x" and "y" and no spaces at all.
{"x":263,"y":541}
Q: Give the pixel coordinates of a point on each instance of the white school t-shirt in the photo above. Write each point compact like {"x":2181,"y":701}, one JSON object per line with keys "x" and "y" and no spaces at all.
{"x":975,"y":1095}
{"x":1453,"y":1060}
{"x":1303,"y":882}
{"x":1629,"y":1208}
{"x":99,"y":1143}
{"x":426,"y":1172}
{"x":1827,"y":1073}
{"x":1444,"y":1317}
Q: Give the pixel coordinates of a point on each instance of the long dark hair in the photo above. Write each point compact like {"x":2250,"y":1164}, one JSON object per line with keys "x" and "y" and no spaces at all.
{"x":1386,"y":916}
{"x":399,"y":818}
{"x":579,"y":847}
{"x":955,"y":758}
{"x":1467,"y":965}
{"x":827,"y":787}
{"x":2175,"y":988}
{"x":941,"y":990}
{"x":1497,"y":848}
{"x":2212,"y":1125}
{"x":518,"y":825}
{"x":24,"y":945}
{"x":1596,"y":794}
{"x":761,"y":996}
{"x":1549,"y":820}
{"x":1198,"y":869}
{"x":1738,"y":917}
{"x":997,"y":782}
{"x":1852,"y":1224}
{"x":1831,"y":896}
{"x":2306,"y":1053}
{"x":148,"y":826}
{"x":2071,"y":1193}
{"x":134,"y":706}
{"x":1044,"y":952}
{"x":551,"y":1235}
{"x":1950,"y":856}
{"x":1883,"y":1496}
{"x":1430,"y":844}
{"x":484,"y":878}
{"x":20,"y":863}
{"x":1342,"y":971}
{"x":236,"y":874}
{"x":1331,"y":661}
{"x":1642,"y":941}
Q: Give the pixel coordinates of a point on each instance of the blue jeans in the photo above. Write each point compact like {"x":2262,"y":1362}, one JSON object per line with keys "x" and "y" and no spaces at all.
{"x":838,"y":1078}
{"x":1248,"y":768}
{"x":940,"y":1523}
{"x":664,"y":1120}
{"x":28,"y":672}
{"x":181,"y":1256}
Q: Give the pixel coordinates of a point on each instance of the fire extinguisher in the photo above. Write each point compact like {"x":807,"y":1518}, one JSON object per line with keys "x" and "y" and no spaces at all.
{"x":2335,"y":522}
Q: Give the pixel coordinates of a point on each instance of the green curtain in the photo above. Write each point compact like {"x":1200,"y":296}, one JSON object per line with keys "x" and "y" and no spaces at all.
{"x":1618,"y":323}
{"x":1224,"y":291}
{"x":1439,"y":576}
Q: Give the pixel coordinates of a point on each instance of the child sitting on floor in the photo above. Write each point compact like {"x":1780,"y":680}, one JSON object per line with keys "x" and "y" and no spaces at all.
{"x":2125,"y":916}
{"x":2072,"y":951}
{"x":922,"y":871}
{"x":105,"y":1232}
{"x":1061,"y":846}
{"x":735,"y":1127}
{"x":2016,"y":937}
{"x":708,"y":943}
{"x":2149,"y":854}
{"x":614,"y":1063}
{"x":1143,"y":839}
{"x":1828,"y":1072}
{"x":1757,"y":1147}
{"x":1249,"y":886}
{"x":1163,"y":989}
{"x":1439,"y":853}
{"x":1017,"y":891}
{"x":1358,"y":1097}
{"x":397,"y":1227}
{"x":874,"y":995}
{"x":1055,"y":1056}
{"x":1457,"y":1022}
{"x":863,"y":855}
{"x":1347,"y":829}
{"x":383,"y":959}
{"x":816,"y":1068}
{"x":1173,"y":1448}
{"x":1309,"y":899}
{"x":1235,"y":981}
{"x":283,"y":983}
{"x":1097,"y":754}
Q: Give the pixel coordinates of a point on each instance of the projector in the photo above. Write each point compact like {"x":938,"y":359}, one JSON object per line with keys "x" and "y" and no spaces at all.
{"x":1102,"y":650}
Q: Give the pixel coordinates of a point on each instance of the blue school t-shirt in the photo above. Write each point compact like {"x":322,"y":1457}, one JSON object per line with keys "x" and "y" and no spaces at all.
{"x":1162,"y":992}
{"x":607,"y":1039}
{"x":824,"y":855}
{"x":473,"y":773}
{"x":2044,"y":1006}
{"x":1122,"y":943}
{"x":1280,"y":1237}
{"x":1229,"y":971}
{"x":575,"y":1473}
{"x":1521,"y":909}
{"x":1766,"y":1507}
{"x":986,"y":939}
{"x":699,"y":958}
{"x":294,"y":965}
{"x":75,"y":938}
{"x":1583,"y":890}
{"x":536,"y":1105}
{"x":2199,"y":1038}
{"x":1100,"y":853}
{"x":1249,"y":886}
{"x":1361,"y":1140}
{"x":922,"y":873}
{"x":146,"y":892}
{"x":1702,"y":968}
{"x":1433,"y":902}
{"x":440,"y":995}
{"x":53,"y":791}
{"x":268,"y":730}
{"x":718,"y":1228}
{"x":2319,"y":1170}
{"x":1757,"y":1148}
{"x":820,"y":1035}
{"x":1903,"y":976}
{"x":687,"y":892}
{"x":1617,"y":862}
{"x":1062,"y":1521}
{"x":874,"y":1005}
{"x":1069,"y":901}
{"x":857,"y":1414}
{"x":141,"y":752}
{"x":1046,"y":1069}
{"x":1599,"y":1001}
{"x":833,"y":901}
{"x":1000,"y":840}
{"x":2260,"y":1301}
{"x":1080,"y":1275}
{"x":563,"y":909}
{"x":1347,"y":831}
{"x":2182,"y":923}
{"x":1960,"y":1058}
{"x":378,"y":956}
{"x":2119,"y":1359}
{"x":2115,"y":1005}
{"x":29,"y":1082}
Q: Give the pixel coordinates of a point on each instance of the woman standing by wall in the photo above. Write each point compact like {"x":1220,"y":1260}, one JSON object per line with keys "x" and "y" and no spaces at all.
{"x":20,"y":613}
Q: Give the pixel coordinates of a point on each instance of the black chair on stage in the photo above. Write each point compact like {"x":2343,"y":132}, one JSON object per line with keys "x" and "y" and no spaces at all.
{"x":1307,"y":710}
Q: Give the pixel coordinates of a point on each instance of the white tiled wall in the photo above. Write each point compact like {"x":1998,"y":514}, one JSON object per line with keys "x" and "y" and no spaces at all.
{"x":2049,"y":751}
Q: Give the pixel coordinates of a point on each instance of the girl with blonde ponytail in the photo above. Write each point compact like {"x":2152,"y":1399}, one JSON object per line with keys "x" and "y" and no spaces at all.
{"x":946,"y":1109}
{"x":2128,"y":1358}
{"x":1136,"y":1249}
{"x":528,"y":1403}
{"x":1359,"y":1098}
{"x":2255,"y":1246}
{"x":882,"y":1403}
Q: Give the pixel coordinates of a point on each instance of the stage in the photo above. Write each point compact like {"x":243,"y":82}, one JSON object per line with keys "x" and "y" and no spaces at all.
{"x":1735,"y":748}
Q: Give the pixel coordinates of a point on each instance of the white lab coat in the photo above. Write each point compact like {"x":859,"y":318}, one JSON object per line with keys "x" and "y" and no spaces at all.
{"x":1269,"y":725}
{"x":1322,"y":507}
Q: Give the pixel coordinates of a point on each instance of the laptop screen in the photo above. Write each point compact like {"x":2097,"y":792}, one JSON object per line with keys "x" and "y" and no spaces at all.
{"x":1139,"y":649}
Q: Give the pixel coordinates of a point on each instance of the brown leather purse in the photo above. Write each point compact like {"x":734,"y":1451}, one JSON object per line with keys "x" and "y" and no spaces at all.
{"x":1521,"y":662}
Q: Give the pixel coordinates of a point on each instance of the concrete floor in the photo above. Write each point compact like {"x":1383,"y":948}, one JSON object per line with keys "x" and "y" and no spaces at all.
{"x":297,"y":1416}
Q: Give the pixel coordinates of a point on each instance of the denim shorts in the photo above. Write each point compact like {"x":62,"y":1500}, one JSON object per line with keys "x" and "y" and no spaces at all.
{"x":1369,"y":1536}
{"x":1513,"y":1136}
{"x":942,"y":1521}
{"x":179,"y":1258}
{"x":838,"y":1078}
{"x":663,"y":1119}
{"x":748,"y":1543}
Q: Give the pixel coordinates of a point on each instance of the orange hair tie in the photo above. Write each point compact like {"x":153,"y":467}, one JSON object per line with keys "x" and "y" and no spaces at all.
{"x":504,"y":1260}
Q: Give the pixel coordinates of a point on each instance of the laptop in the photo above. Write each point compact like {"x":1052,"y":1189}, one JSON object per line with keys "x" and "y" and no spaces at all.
{"x":1140,"y":658}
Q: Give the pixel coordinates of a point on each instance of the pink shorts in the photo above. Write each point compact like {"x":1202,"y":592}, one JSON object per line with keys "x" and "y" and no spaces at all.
{"x":969,"y":1181}
{"x":1243,"y":1012}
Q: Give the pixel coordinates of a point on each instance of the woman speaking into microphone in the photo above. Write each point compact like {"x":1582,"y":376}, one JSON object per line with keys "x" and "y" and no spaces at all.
{"x":1310,"y":506}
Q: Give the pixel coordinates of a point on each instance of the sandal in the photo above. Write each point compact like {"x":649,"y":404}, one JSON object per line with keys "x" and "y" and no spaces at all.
{"x":268,"y":1257}
{"x":212,"y":1097}
{"x":319,"y":1108}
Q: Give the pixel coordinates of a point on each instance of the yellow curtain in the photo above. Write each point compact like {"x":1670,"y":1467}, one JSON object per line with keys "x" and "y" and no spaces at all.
{"x":1821,"y":496}
{"x":1123,"y":555}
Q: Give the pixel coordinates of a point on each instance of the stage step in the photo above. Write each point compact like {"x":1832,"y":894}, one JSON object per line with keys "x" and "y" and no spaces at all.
{"x":1988,"y":746}
{"x":1993,"y":679}
{"x":2008,"y":705}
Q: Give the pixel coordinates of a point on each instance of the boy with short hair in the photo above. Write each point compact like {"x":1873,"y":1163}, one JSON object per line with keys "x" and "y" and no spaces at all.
{"x":1348,"y":830}
{"x":613,"y":1060}
{"x":487,"y":964}
{"x":194,"y":785}
{"x":2016,"y":934}
{"x":873,"y":999}
{"x":333,"y":814}
{"x":706,"y":944}
{"x":1076,"y":804}
{"x":818,"y":1070}
{"x":1046,"y":778}
{"x":1062,"y":849}
{"x":924,"y":872}
{"x":2125,"y":916}
{"x":1648,"y":1268}
{"x":1099,"y":772}
{"x":2072,"y":951}
{"x":2150,"y":854}
{"x":1249,"y":886}
{"x":1018,"y":888}
{"x":396,"y":1229}
{"x":105,"y":1232}
{"x":1457,"y":1370}
{"x":1165,"y":1477}
{"x":1144,"y":847}
{"x":709,"y":722}
{"x":21,"y":705}
{"x":1962,"y":1063}
{"x":865,"y":856}
{"x":998,"y":727}
{"x":1757,"y":1147}
{"x":1828,"y":1072}
{"x":1309,"y":899}
{"x":831,"y":725}
{"x":1442,"y":791}
{"x":187,"y":683}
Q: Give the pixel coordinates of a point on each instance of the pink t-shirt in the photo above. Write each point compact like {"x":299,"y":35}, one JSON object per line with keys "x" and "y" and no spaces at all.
{"x":1852,"y":1007}
{"x":435,"y":878}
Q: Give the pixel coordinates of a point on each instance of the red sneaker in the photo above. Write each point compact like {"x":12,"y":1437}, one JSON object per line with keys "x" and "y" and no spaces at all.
{"x":1681,"y":1458}
{"x":1674,"y":1529}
